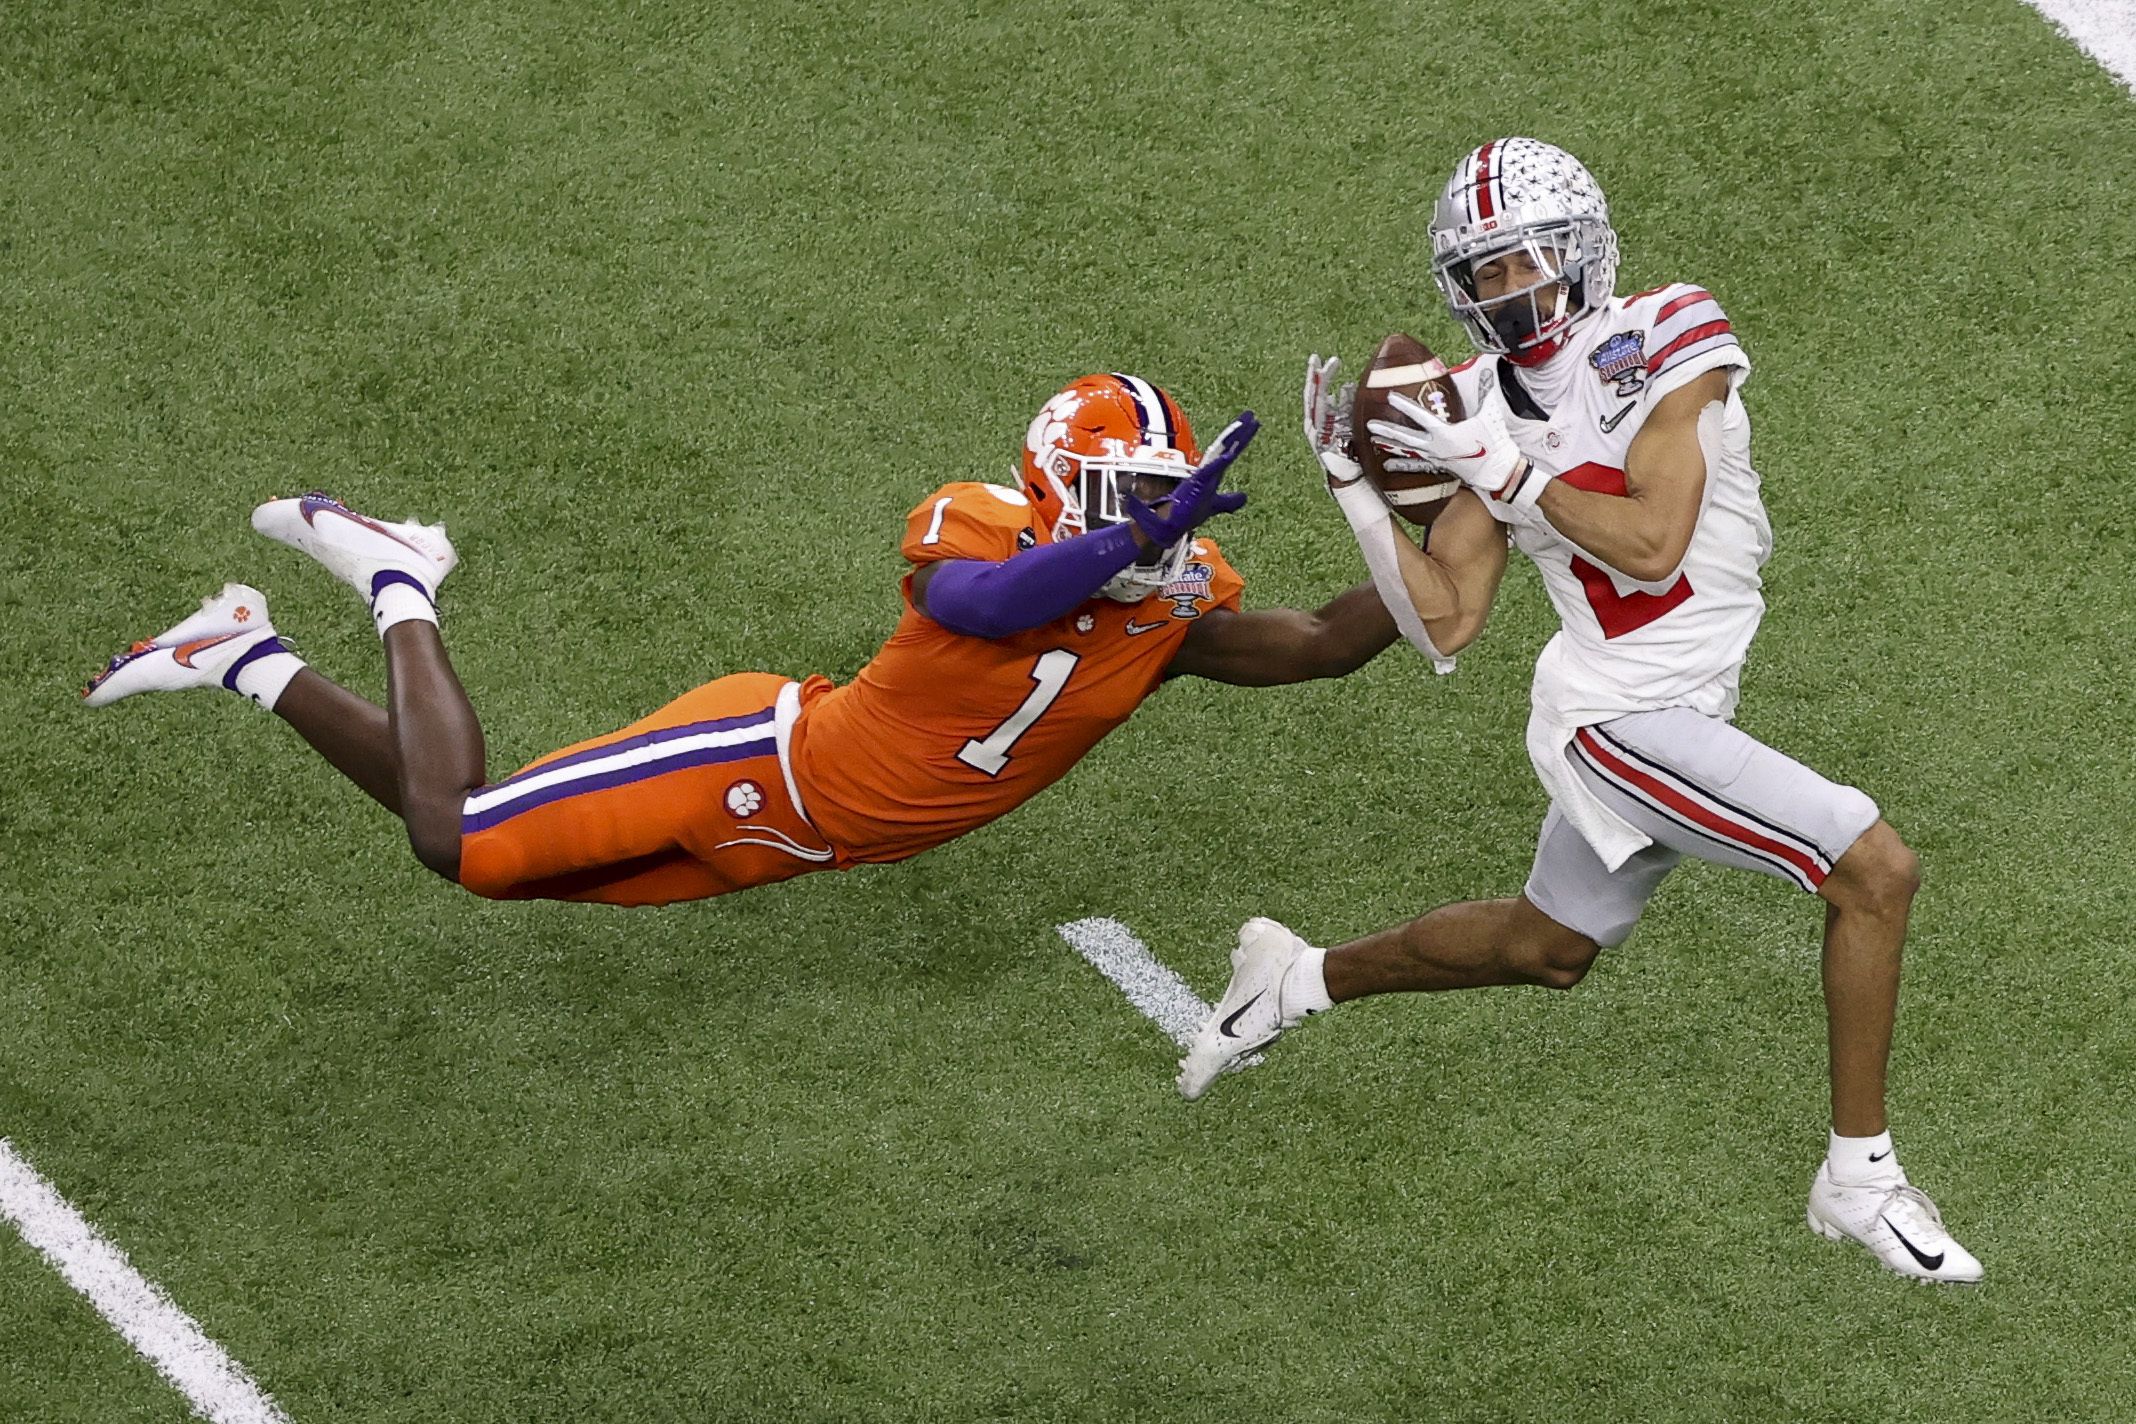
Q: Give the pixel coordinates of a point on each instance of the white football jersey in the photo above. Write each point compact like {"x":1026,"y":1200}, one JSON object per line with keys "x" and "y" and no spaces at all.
{"x":1628,"y":646}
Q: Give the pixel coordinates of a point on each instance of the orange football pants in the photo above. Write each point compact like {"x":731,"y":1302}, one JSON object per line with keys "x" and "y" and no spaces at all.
{"x":684,"y":804}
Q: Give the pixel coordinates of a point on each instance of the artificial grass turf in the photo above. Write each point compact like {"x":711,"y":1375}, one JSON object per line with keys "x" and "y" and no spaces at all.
{"x":672,"y":313}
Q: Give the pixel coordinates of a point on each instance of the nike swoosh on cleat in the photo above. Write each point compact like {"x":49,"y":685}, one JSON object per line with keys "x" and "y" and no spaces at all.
{"x":1880,"y":1156}
{"x":183,"y":653}
{"x":309,"y":505}
{"x":1226,"y":1027}
{"x":1928,"y":1263}
{"x":329,"y":505}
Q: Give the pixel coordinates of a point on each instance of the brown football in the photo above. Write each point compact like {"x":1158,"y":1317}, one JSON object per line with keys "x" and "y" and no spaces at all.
{"x":1403,"y":364}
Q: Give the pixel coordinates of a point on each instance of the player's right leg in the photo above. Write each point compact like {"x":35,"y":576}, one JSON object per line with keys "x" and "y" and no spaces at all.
{"x":1711,"y":790}
{"x":1573,"y":907}
{"x":692,"y":801}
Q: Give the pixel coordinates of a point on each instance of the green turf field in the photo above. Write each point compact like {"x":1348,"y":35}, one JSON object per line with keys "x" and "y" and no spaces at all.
{"x":672,"y":312}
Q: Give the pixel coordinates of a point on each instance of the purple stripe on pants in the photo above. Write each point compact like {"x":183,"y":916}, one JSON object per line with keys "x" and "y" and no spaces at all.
{"x":620,"y":776}
{"x":643,"y":739}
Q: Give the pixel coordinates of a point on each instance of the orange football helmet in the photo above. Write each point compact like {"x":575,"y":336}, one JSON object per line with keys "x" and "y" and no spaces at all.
{"x":1097,"y":441}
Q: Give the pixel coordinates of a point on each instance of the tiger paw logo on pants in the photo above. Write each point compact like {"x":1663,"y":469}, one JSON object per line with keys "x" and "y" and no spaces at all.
{"x":744,"y":798}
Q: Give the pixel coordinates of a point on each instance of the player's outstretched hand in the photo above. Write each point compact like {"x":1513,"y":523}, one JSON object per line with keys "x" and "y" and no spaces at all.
{"x":1327,"y":421}
{"x":1197,"y":498}
{"x":1478,"y":451}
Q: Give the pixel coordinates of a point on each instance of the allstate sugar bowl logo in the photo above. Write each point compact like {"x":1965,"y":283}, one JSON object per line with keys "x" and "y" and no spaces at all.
{"x":1622,"y":359}
{"x":1190,"y":587}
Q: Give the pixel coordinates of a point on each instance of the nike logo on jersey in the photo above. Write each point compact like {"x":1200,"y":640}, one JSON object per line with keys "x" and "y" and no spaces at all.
{"x":1928,"y":1262}
{"x":1133,"y":627}
{"x":1229,"y":1027}
{"x":1610,"y":423}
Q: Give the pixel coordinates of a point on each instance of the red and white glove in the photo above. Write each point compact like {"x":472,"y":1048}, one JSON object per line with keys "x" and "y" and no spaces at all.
{"x":1327,"y":421}
{"x":1478,"y":451}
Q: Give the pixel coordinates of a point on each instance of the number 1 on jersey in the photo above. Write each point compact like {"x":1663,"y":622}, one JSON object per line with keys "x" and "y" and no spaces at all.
{"x":1051,"y":673}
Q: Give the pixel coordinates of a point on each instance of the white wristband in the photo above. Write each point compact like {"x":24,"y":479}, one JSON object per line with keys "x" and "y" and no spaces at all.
{"x":1371,"y":524}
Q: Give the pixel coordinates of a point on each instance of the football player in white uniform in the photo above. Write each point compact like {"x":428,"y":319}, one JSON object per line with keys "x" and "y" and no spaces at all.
{"x":1608,"y":441}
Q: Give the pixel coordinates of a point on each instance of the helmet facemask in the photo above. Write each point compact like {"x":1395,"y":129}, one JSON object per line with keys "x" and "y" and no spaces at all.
{"x":1096,"y":498}
{"x":1544,"y":310}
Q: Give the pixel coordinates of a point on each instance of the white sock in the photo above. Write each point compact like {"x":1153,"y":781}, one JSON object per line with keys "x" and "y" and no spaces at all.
{"x":1859,"y":1161}
{"x":1305,"y":986}
{"x":263,"y":671}
{"x":401,"y":603}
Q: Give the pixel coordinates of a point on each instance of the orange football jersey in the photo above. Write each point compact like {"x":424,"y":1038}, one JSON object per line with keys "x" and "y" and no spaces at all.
{"x":942,"y":732}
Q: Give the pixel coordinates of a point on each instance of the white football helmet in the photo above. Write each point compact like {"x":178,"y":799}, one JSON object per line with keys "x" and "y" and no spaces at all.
{"x":1517,"y":194}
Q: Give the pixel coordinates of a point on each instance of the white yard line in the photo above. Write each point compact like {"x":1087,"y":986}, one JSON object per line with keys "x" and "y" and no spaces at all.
{"x":2103,"y":29}
{"x":1162,"y":996}
{"x":216,"y":1385}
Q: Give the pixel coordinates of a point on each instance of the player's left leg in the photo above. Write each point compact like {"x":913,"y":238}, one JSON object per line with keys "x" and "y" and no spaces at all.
{"x":231,"y":644}
{"x":435,"y":738}
{"x":351,"y":731}
{"x":1869,"y":897}
{"x":1709,"y":790}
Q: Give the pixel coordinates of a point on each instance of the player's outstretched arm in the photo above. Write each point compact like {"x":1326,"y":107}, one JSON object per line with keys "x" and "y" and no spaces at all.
{"x":1452,"y":588}
{"x":993,"y":599}
{"x":1645,"y":533}
{"x":1266,"y":647}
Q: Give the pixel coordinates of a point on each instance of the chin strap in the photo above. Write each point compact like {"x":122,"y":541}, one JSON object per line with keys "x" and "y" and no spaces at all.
{"x":1373,"y":527}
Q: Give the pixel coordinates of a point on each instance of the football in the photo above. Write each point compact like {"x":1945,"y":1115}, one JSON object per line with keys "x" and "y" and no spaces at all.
{"x":1403,"y":364}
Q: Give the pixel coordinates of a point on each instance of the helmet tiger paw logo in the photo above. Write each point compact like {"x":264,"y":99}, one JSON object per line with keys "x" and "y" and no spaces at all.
{"x":744,"y":798}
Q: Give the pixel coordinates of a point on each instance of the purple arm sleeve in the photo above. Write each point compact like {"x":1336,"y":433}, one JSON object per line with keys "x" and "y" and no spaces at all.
{"x":1036,"y":586}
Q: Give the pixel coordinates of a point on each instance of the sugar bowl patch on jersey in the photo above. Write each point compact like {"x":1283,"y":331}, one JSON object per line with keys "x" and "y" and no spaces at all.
{"x":1621,"y":360}
{"x":1193,"y":587}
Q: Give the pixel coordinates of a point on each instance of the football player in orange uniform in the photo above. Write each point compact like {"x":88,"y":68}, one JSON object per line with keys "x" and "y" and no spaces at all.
{"x":1035,"y":620}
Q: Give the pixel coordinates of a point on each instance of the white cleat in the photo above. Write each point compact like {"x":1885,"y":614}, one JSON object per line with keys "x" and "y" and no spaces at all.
{"x":366,"y":554}
{"x":203,"y":651}
{"x":1896,"y":1221}
{"x":1252,"y":1013}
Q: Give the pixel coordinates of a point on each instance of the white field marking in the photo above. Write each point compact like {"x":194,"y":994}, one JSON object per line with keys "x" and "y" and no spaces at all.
{"x":1163,"y":997}
{"x":216,"y":1385}
{"x":2103,"y":29}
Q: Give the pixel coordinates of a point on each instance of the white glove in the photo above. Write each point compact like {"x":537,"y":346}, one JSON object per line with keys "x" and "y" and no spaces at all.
{"x":1478,"y":451}
{"x":1327,"y":421}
